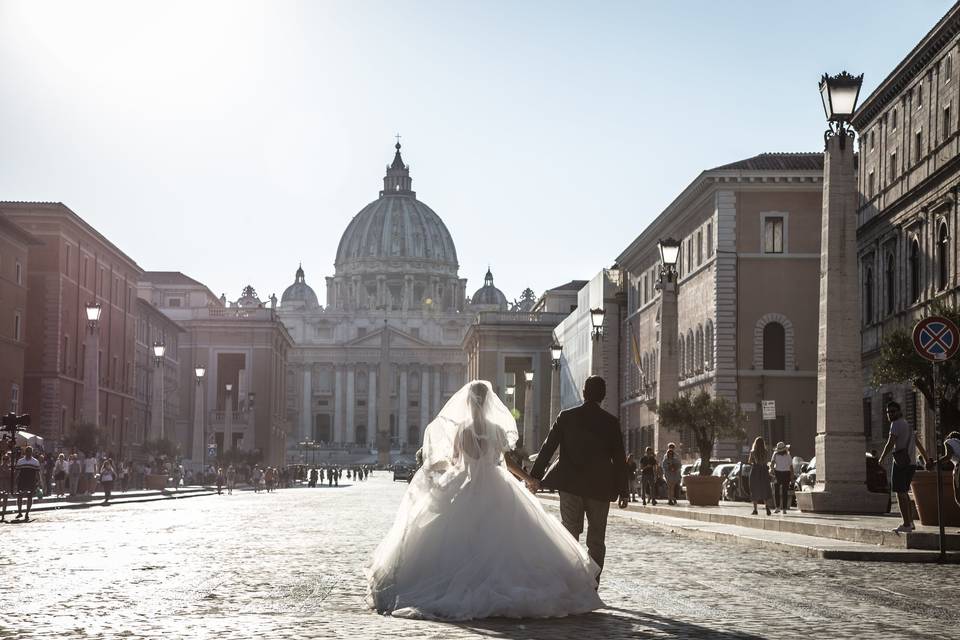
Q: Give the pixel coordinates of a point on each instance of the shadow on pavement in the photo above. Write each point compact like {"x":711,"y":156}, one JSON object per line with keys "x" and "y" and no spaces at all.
{"x":610,"y":622}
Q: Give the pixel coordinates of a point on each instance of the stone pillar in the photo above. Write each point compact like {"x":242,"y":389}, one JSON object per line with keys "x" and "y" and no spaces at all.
{"x":668,"y":363}
{"x":228,"y":422}
{"x":156,"y":406}
{"x":306,"y":406}
{"x":372,"y":406}
{"x":840,"y":443}
{"x":338,"y":404}
{"x":383,"y":408}
{"x":90,"y":409}
{"x":437,"y":390}
{"x":402,"y":427}
{"x":351,"y":427}
{"x":199,"y":433}
{"x":424,"y":399}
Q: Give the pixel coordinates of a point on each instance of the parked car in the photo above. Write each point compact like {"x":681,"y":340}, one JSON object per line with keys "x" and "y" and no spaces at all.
{"x":723,"y":470}
{"x":403,"y":473}
{"x":736,"y":487}
{"x":695,"y":469}
{"x":808,"y":475}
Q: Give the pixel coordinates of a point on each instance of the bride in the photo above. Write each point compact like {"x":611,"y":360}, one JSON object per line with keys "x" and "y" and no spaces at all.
{"x":469,"y":541}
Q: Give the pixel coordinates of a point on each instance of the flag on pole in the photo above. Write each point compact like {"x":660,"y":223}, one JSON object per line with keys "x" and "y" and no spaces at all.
{"x":636,"y":347}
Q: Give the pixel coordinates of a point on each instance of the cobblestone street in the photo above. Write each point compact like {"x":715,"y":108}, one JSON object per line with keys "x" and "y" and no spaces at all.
{"x":291,"y":565}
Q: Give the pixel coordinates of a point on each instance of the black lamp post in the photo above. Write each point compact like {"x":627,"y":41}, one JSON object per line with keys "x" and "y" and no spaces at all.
{"x":596,"y":319}
{"x":556,"y":351}
{"x":669,"y":253}
{"x":839,"y":94}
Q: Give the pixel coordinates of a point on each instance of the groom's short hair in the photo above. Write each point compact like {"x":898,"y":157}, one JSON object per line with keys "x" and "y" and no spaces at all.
{"x":594,"y":389}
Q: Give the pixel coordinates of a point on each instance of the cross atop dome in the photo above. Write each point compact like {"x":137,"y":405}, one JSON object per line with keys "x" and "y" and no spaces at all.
{"x":397,"y":182}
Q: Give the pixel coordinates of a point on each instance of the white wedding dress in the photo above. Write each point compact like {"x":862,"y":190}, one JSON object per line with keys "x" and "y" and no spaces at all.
{"x":469,"y":541}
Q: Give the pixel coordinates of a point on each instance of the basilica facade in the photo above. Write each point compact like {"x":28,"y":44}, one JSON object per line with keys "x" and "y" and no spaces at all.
{"x":372,"y":366}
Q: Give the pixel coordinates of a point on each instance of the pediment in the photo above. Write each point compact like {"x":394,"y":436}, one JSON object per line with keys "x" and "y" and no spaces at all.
{"x":398,"y":340}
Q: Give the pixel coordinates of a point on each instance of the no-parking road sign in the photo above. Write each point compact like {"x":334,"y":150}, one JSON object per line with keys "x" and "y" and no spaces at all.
{"x":936,"y":338}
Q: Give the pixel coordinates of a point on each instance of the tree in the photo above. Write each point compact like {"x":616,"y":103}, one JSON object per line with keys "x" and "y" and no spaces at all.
{"x":84,"y":437}
{"x":899,"y":363}
{"x":708,"y":418}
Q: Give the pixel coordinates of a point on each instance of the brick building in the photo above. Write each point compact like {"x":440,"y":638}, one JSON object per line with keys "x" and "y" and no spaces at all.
{"x":14,"y":246}
{"x":72,"y":265}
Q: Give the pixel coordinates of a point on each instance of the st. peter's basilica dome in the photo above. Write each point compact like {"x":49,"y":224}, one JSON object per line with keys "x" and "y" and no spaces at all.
{"x":299,"y":294}
{"x":488,"y":295}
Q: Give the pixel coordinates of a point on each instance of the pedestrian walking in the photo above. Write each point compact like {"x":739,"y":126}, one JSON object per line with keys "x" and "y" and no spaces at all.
{"x":177,"y":476}
{"x":313,"y":478}
{"x":60,"y":475}
{"x":782,"y":465}
{"x":89,"y":470}
{"x":220,"y":480}
{"x":74,"y":471}
{"x":671,"y":473}
{"x":759,"y":475}
{"x":648,"y":477}
{"x":6,"y":483}
{"x":107,"y":476}
{"x":903,"y":443}
{"x":27,"y":479}
{"x":231,"y":479}
{"x":632,"y":477}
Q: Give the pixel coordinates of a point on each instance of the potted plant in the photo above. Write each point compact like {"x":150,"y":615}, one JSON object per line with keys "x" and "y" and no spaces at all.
{"x":708,"y":419}
{"x":899,"y":363}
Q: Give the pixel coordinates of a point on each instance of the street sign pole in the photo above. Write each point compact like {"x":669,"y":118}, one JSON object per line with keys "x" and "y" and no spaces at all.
{"x":939,"y":438}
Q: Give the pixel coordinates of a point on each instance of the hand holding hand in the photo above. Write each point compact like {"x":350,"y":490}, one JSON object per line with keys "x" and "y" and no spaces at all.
{"x":623,"y":503}
{"x":533,"y":485}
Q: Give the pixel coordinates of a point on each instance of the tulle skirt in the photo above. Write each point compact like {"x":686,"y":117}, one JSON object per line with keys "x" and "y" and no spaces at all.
{"x":479,"y":545}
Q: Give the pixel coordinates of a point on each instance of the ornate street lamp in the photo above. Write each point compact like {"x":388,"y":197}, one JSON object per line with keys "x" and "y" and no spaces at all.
{"x":528,"y":376}
{"x":228,"y":387}
{"x":669,"y":253}
{"x":200,"y":371}
{"x":839,"y":94}
{"x":93,"y":314}
{"x":596,"y":319}
{"x":555,"y":352}
{"x":158,"y":350}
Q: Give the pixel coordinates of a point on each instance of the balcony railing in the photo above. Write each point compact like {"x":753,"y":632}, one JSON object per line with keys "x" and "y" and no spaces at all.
{"x":521,"y":317}
{"x":239,"y":417}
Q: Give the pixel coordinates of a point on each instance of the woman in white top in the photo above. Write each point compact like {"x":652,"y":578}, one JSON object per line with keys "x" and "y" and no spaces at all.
{"x":951,"y":451}
{"x":783,"y":471}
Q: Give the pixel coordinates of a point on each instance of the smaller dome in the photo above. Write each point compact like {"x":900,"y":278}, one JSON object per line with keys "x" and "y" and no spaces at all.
{"x":489,"y":295}
{"x":299,"y":294}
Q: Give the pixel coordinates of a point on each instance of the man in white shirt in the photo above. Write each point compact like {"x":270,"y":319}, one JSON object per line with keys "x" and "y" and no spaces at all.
{"x":27,"y":477}
{"x":904,"y":444}
{"x":89,"y":469}
{"x":783,"y":471}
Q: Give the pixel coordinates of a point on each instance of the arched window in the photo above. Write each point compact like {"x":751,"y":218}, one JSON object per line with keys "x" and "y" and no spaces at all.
{"x":774,"y":346}
{"x":943,"y":259}
{"x":914,"y":270}
{"x":868,"y":296}
{"x":691,"y":353}
{"x":700,"y":359}
{"x":681,"y":360}
{"x":890,"y":280}
{"x":708,"y":345}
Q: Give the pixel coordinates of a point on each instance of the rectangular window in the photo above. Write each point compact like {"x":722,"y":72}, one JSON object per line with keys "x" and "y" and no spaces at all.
{"x":83,"y":273}
{"x":19,"y":273}
{"x":918,"y":144}
{"x":948,"y":72}
{"x":893,"y":166}
{"x":873,"y":139}
{"x":690,"y":254}
{"x":64,"y":354}
{"x":645,"y":289}
{"x":16,"y":326}
{"x":699,"y":248}
{"x":14,"y":398}
{"x":893,"y":119}
{"x":173,"y":302}
{"x":66,"y":268}
{"x":870,"y":185}
{"x":773,"y":235}
{"x":709,"y":239}
{"x":946,"y":121}
{"x":920,"y":95}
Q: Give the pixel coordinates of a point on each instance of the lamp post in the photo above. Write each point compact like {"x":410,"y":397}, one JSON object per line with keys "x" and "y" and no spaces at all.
{"x":840,"y":442}
{"x":511,"y":396}
{"x":668,"y":364}
{"x":228,"y":418}
{"x":529,"y":438}
{"x":556,"y":351}
{"x":199,"y":433}
{"x":596,"y":320}
{"x":90,"y":412}
{"x":156,"y":412}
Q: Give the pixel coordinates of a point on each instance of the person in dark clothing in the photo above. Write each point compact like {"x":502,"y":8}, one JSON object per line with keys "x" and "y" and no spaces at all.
{"x":591,"y":470}
{"x":648,"y":477}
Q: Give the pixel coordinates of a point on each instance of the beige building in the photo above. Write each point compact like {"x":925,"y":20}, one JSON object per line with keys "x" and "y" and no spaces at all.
{"x":746,"y":302}
{"x":154,"y":326}
{"x":909,"y":174}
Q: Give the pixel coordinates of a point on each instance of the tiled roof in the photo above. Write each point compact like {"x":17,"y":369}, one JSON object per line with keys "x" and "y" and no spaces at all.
{"x":169,"y":277}
{"x":806,"y":161}
{"x":573,"y":285}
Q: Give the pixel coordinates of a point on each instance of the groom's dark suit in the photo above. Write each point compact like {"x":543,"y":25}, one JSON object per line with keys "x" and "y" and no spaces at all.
{"x":590,"y":472}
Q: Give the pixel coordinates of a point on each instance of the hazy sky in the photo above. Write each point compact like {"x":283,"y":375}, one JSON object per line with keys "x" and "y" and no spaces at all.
{"x":231,"y":140}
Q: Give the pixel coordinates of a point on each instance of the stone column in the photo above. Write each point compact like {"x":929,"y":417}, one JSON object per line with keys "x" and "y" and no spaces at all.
{"x":228,"y":422}
{"x":668,"y":364}
{"x":156,"y":406}
{"x":437,"y":389}
{"x":306,"y":406}
{"x":424,"y":399}
{"x":840,"y":443}
{"x":372,"y":406}
{"x":402,"y":427}
{"x":338,"y":404}
{"x":383,"y":408}
{"x":199,"y":433}
{"x":90,"y":409}
{"x":351,"y":427}
{"x":528,"y":435}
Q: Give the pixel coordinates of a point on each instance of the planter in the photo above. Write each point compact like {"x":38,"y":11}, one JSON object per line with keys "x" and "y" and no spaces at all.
{"x":924,"y":488}
{"x":703,"y":491}
{"x":156,"y":481}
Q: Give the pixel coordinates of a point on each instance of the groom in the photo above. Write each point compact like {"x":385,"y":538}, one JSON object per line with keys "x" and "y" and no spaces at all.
{"x":591,"y":470}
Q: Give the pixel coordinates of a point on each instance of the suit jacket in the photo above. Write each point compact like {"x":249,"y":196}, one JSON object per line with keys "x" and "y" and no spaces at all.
{"x":592,"y":462}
